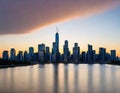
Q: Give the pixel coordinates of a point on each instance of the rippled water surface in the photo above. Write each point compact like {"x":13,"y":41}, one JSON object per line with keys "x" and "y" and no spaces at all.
{"x":62,"y":78}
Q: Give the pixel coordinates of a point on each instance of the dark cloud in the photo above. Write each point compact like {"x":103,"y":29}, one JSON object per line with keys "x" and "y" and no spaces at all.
{"x":23,"y":16}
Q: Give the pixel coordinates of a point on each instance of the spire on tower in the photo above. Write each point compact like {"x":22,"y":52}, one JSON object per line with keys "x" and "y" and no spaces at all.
{"x":57,"y":30}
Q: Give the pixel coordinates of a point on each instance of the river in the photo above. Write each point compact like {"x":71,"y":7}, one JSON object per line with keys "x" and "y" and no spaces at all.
{"x":61,"y":78}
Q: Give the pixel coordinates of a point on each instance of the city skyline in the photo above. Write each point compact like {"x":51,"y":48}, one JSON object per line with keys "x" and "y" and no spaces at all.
{"x":100,"y":28}
{"x":61,"y":48}
{"x":43,"y":55}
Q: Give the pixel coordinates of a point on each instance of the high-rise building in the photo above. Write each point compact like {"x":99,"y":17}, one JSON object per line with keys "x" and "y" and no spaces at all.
{"x":66,"y":53}
{"x":41,"y":56}
{"x":108,"y":57}
{"x":20,"y":56}
{"x":83,"y":57}
{"x":5,"y":55}
{"x":113,"y":55}
{"x":57,"y":41}
{"x":94,"y":56}
{"x":31,"y":54}
{"x":54,"y":52}
{"x":47,"y":49}
{"x":47,"y":54}
{"x":36,"y":57}
{"x":55,"y":49}
{"x":76,"y":53}
{"x":89,"y":54}
{"x":12,"y":54}
{"x":41,"y":47}
{"x":53,"y":56}
{"x":102,"y":55}
{"x":31,"y":50}
{"x":25,"y":56}
{"x":41,"y":53}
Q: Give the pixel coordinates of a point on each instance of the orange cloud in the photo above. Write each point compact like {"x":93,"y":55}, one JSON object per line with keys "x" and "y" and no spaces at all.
{"x":23,"y":16}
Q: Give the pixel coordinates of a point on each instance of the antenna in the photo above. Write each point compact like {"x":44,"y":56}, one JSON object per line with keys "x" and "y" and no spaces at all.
{"x":57,"y":30}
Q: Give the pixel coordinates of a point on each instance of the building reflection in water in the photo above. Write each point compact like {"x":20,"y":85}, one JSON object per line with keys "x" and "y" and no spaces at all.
{"x":66,"y":88}
{"x":60,"y":78}
{"x":56,"y":81}
{"x":90,"y":79}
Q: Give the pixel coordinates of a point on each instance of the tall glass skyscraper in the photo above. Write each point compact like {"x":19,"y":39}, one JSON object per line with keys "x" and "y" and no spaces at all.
{"x":55,"y":49}
{"x":57,"y":41}
{"x":66,"y":53}
{"x":12,"y":54}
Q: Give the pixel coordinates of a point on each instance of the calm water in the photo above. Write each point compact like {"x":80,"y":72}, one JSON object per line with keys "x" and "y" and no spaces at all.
{"x":61,"y":78}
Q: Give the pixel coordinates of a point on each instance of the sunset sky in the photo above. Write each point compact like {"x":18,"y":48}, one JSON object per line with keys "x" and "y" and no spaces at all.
{"x":25,"y":23}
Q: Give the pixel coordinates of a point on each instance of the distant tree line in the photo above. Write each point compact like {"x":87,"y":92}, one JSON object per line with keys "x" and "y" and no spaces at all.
{"x":114,"y":62}
{"x":13,"y":62}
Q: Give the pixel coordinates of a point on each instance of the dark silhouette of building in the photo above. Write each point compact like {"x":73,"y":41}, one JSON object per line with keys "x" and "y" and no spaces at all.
{"x":5,"y":55}
{"x":113,"y":55}
{"x":55,"y":49}
{"x":47,"y":54}
{"x":83,"y":57}
{"x":66,"y":52}
{"x":54,"y":52}
{"x":41,"y":53}
{"x":31,"y":54}
{"x":44,"y":55}
{"x":26,"y":58}
{"x":90,"y":54}
{"x":20,"y":56}
{"x":94,"y":56}
{"x":102,"y":55}
{"x":57,"y":41}
{"x":12,"y":54}
{"x":76,"y":53}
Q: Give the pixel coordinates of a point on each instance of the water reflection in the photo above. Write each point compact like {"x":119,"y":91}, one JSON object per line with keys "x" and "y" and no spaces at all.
{"x":66,"y":88}
{"x":102,"y":80}
{"x":60,"y":78}
{"x":90,"y":79}
{"x":55,"y":80}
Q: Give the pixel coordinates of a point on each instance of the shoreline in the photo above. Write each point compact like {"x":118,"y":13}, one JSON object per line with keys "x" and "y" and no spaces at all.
{"x":20,"y":65}
{"x":11,"y":66}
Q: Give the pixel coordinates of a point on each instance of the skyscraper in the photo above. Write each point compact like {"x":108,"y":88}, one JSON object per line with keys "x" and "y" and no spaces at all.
{"x":66,"y":53}
{"x":25,"y":56}
{"x":12,"y":54}
{"x":113,"y":55}
{"x":20,"y":56}
{"x":31,"y":54}
{"x":47,"y":54}
{"x":5,"y":55}
{"x":31,"y":50}
{"x":76,"y":53}
{"x":89,"y":54}
{"x":102,"y":55}
{"x":55,"y":49}
{"x":54,"y":52}
{"x":93,"y":56}
{"x":57,"y":41}
{"x":83,"y":56}
{"x":41,"y":47}
{"x":41,"y":53}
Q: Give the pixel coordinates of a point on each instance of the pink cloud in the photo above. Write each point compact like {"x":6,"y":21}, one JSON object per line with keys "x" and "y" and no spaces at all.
{"x":23,"y":16}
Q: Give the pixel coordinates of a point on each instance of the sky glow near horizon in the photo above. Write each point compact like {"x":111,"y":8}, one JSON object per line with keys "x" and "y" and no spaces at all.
{"x":100,"y":30}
